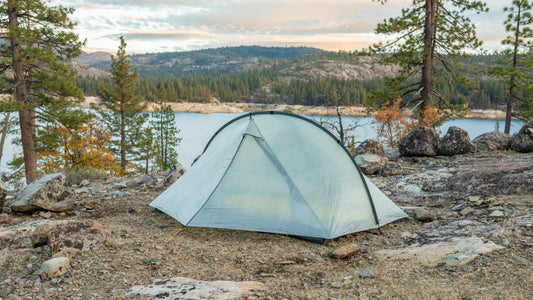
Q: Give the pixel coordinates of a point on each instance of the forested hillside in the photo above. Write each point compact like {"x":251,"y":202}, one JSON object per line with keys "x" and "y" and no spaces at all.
{"x":293,"y":75}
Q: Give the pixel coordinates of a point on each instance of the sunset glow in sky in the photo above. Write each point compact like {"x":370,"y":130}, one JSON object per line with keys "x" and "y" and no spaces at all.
{"x":178,"y":25}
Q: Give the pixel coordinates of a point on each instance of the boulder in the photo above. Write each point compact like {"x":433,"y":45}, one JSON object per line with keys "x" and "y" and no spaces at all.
{"x":523,"y":140}
{"x":40,"y":235}
{"x":54,"y":267}
{"x":345,"y":251}
{"x":50,"y":192}
{"x":3,"y":194}
{"x":188,"y":288}
{"x":391,"y":169}
{"x":175,"y":172}
{"x":6,"y":238}
{"x":369,"y":147}
{"x":455,"y":142}
{"x":423,"y":215}
{"x":370,"y":163}
{"x":86,"y":235}
{"x":492,"y":141}
{"x":420,"y":142}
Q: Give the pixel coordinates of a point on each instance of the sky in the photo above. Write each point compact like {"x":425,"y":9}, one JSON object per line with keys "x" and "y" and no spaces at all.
{"x":181,"y":25}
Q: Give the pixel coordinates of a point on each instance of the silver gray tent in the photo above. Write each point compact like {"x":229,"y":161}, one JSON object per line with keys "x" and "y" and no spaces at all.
{"x":280,"y":173}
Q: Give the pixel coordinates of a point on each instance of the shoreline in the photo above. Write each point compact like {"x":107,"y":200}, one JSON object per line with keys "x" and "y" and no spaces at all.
{"x":232,"y":107}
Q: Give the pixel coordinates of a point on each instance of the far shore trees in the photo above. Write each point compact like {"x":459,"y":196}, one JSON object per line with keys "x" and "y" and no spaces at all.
{"x":126,"y":115}
{"x":515,"y":66}
{"x":37,"y":43}
{"x":427,"y":41}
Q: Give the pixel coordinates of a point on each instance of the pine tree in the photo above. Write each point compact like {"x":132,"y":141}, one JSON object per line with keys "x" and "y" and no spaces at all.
{"x":38,"y":40}
{"x":514,"y":66}
{"x":125,"y":116}
{"x":165,"y":133}
{"x":428,"y":39}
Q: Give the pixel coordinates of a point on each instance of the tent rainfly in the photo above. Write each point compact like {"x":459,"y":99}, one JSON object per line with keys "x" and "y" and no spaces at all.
{"x":279,"y":173}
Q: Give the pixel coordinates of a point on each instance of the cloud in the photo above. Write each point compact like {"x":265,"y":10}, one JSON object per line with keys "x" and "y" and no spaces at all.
{"x":193,"y":24}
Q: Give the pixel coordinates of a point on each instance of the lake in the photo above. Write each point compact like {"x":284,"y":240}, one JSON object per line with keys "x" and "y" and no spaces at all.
{"x":197,"y":129}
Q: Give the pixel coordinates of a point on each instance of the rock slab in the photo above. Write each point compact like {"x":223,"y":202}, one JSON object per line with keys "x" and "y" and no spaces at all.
{"x":370,"y":163}
{"x":50,"y":192}
{"x":456,"y":252}
{"x":420,"y":142}
{"x":188,"y":288}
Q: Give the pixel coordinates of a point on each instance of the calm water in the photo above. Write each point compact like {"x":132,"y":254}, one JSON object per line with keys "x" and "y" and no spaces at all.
{"x":197,"y":129}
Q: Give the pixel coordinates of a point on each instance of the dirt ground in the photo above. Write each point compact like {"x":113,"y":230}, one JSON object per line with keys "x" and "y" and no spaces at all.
{"x":150,"y":245}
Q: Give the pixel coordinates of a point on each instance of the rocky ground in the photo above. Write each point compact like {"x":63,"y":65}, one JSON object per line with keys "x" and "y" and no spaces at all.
{"x":471,"y":237}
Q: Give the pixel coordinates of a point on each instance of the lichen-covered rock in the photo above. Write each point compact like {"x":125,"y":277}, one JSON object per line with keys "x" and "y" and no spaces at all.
{"x":40,"y":235}
{"x":455,"y":142}
{"x":420,"y":142}
{"x":175,"y":172}
{"x":492,"y":141}
{"x":523,"y":140}
{"x":87,"y":235}
{"x":54,"y":267}
{"x":6,"y":238}
{"x":370,"y":163}
{"x":369,"y":147}
{"x":391,"y":169}
{"x":188,"y":288}
{"x":50,"y":192}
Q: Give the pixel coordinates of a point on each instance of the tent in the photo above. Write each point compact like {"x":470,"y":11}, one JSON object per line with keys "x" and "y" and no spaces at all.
{"x":279,"y":173}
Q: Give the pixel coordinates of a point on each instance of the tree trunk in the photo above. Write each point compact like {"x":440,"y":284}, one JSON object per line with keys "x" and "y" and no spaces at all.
{"x":26,"y":114}
{"x":123,"y":141}
{"x":4,"y":134}
{"x":512,"y":80}
{"x":427,"y":63}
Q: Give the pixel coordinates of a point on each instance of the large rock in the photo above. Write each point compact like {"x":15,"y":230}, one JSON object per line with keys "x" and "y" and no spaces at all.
{"x":54,"y":267}
{"x":370,"y":163}
{"x":50,"y":192}
{"x":420,"y":142}
{"x":492,"y":141}
{"x":457,"y":251}
{"x":87,"y":235}
{"x":188,"y":288}
{"x":6,"y":238}
{"x":41,"y":234}
{"x":391,"y":169}
{"x":174,"y":173}
{"x":369,"y":147}
{"x":455,"y":142}
{"x":523,"y":140}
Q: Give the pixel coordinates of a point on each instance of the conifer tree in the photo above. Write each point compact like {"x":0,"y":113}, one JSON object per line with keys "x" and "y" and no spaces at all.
{"x":166,"y":134}
{"x":125,"y":117}
{"x":514,"y":67}
{"x":428,"y":38}
{"x":38,"y":42}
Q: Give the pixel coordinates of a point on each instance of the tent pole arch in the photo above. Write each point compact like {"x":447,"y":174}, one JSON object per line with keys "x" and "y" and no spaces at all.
{"x":251,"y":114}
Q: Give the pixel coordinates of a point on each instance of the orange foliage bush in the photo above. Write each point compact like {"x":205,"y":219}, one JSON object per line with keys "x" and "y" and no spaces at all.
{"x":393,"y":123}
{"x":86,"y":148}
